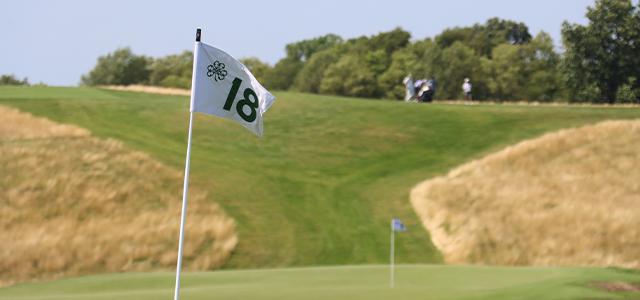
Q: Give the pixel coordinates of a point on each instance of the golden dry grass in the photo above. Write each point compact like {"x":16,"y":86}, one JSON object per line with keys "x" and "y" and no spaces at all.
{"x":71,"y":204}
{"x":148,"y":89}
{"x":566,"y":198}
{"x":15,"y":126}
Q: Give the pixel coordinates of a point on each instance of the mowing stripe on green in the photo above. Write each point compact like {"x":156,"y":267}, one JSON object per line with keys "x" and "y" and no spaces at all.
{"x":354,"y":282}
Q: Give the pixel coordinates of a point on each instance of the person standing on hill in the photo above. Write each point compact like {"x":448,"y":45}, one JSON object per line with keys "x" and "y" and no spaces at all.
{"x":424,"y":93}
{"x":466,"y":88}
{"x":432,"y":88}
{"x":408,"y":84}
{"x":418,"y":84}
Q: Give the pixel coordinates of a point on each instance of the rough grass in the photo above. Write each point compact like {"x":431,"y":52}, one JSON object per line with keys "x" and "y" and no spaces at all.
{"x":71,"y":204}
{"x":567,"y":198}
{"x":19,"y":126}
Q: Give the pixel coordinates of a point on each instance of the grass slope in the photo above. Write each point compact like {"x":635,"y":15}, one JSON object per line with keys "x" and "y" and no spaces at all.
{"x":352,"y":282}
{"x":322,"y":185}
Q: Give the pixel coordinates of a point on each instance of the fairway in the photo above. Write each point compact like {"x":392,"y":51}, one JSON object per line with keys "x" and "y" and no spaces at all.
{"x":353,"y":282}
{"x":330,"y":172}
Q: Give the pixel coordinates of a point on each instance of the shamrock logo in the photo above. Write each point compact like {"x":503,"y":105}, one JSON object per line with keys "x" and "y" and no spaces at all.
{"x":217,"y":71}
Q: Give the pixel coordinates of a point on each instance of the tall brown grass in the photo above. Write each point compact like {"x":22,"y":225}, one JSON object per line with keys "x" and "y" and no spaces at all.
{"x":148,"y":89}
{"x":566,"y":198}
{"x":71,"y":204}
{"x":18,"y":126}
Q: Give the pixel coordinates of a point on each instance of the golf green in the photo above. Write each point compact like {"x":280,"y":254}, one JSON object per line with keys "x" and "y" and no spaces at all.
{"x":352,"y":282}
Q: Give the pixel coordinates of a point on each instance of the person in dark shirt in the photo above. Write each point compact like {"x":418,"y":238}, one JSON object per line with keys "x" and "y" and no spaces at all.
{"x":432,"y":89}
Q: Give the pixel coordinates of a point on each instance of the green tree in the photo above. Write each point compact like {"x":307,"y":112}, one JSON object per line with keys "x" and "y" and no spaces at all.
{"x":505,"y":72}
{"x":627,"y":92}
{"x":603,"y":55}
{"x":261,"y":70}
{"x":511,"y":31}
{"x":324,"y":56}
{"x":349,"y":77}
{"x":311,"y":75}
{"x":389,"y":42}
{"x":303,"y":50}
{"x":376,"y":61}
{"x":172,"y":71}
{"x":283,"y":74}
{"x":523,"y":72}
{"x":542,"y":78}
{"x":12,"y":80}
{"x":120,"y":68}
{"x":484,"y":38}
{"x":475,"y":37}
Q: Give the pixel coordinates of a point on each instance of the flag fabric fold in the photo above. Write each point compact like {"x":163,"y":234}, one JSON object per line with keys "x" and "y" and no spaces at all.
{"x":398,"y":226}
{"x":223,"y":87}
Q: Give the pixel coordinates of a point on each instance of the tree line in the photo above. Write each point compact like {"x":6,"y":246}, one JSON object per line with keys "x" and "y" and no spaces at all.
{"x":600,"y":62}
{"x":13,"y":80}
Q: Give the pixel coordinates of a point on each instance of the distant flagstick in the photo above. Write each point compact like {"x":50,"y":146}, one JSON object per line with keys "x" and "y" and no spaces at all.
{"x":392,"y":246}
{"x":395,"y":225}
{"x":186,"y":180}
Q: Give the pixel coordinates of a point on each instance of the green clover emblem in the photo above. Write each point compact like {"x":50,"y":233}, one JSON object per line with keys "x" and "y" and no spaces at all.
{"x":217,"y":71}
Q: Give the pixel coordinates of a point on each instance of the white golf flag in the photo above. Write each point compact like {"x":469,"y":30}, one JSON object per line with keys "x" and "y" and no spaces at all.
{"x":398,"y":226}
{"x":224,"y":87}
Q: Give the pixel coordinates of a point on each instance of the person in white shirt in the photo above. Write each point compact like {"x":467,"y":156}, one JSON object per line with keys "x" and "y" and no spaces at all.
{"x":466,"y":88}
{"x":408,"y":84}
{"x":418,"y":84}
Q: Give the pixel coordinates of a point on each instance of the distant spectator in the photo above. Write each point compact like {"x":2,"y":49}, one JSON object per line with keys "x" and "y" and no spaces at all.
{"x":466,"y":88}
{"x":433,"y":85}
{"x":423,"y":94}
{"x":408,"y":84}
{"x":418,"y":84}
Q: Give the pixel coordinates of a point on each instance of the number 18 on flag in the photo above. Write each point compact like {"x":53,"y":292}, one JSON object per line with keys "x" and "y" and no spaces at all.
{"x":224,"y":87}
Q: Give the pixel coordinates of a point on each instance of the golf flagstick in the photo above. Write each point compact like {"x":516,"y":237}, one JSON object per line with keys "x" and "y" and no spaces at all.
{"x":216,"y":83}
{"x":392,"y":244}
{"x":186,"y":180}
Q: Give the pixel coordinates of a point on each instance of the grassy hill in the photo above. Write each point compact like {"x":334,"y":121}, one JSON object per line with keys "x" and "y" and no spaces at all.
{"x":349,"y":282}
{"x":322,"y":185}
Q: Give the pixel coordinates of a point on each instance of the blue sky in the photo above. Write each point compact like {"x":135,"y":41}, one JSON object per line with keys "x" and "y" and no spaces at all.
{"x":57,"y":41}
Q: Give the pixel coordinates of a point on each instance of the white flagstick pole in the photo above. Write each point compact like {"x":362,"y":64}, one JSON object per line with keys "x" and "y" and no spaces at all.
{"x":184,"y":210}
{"x":186,"y":182}
{"x":392,"y":245}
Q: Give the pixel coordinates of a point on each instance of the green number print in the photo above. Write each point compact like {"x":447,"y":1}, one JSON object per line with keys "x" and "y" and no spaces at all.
{"x":246,"y":102}
{"x":242,"y":103}
{"x":232,"y":93}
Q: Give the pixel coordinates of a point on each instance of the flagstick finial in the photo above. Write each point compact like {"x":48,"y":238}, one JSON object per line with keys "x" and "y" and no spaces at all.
{"x":198,"y":35}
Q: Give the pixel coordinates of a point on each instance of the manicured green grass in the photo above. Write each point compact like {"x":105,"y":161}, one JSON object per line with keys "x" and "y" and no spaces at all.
{"x":323,"y":184}
{"x":349,"y":282}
